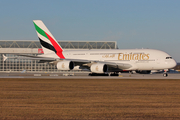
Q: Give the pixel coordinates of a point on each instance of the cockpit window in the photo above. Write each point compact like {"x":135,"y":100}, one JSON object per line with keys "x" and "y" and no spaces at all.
{"x":168,"y":57}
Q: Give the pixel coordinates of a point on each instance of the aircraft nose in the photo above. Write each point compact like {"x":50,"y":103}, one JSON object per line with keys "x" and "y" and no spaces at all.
{"x":173,"y":63}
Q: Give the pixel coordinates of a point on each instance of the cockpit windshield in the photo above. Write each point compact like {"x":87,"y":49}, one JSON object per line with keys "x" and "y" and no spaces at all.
{"x":168,"y":57}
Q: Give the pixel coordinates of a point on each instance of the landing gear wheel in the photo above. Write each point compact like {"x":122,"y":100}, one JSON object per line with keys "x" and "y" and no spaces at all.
{"x":115,"y":74}
{"x":165,"y":74}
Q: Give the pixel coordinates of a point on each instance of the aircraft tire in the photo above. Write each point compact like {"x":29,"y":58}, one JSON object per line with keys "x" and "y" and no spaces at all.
{"x":165,"y":74}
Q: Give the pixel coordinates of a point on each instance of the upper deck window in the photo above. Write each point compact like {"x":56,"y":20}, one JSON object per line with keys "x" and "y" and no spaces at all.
{"x":168,"y":57}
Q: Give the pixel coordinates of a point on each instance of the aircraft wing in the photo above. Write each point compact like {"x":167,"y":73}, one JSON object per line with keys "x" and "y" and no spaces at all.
{"x":120,"y":66}
{"x":80,"y":62}
{"x":112,"y":65}
{"x":29,"y":57}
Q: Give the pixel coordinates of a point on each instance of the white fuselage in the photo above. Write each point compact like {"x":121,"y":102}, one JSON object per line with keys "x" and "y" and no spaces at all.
{"x":139,"y":59}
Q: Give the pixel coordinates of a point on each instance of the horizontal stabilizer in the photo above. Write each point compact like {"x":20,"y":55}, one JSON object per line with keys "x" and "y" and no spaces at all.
{"x":4,"y":57}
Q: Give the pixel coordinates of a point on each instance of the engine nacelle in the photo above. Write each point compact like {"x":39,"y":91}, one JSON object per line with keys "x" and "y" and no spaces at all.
{"x":65,"y":65}
{"x":99,"y":68}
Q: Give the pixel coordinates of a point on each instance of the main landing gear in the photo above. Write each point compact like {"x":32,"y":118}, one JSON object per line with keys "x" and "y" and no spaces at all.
{"x":114,"y":74}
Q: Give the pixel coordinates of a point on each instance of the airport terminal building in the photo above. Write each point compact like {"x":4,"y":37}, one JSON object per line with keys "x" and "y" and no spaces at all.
{"x":11,"y":48}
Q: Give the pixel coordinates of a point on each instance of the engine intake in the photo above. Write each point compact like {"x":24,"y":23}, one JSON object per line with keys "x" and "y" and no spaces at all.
{"x":65,"y":65}
{"x":99,"y":68}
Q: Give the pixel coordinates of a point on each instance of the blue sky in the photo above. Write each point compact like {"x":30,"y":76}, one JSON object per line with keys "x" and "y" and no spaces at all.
{"x":132,"y":23}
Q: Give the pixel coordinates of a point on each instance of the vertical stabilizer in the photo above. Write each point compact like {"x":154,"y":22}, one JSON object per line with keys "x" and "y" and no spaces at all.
{"x":48,"y":42}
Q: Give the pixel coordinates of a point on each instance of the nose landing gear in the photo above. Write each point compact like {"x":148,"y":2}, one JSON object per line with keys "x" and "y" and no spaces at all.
{"x":165,"y":73}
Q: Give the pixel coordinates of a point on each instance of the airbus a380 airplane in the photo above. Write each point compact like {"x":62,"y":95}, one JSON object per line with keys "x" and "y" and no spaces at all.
{"x":100,"y":61}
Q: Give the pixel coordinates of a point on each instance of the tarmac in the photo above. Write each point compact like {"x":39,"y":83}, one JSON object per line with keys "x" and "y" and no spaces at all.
{"x":85,"y":75}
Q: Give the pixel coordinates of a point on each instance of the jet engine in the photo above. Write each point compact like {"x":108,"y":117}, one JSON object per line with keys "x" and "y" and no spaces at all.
{"x":98,"y":68}
{"x":65,"y":65}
